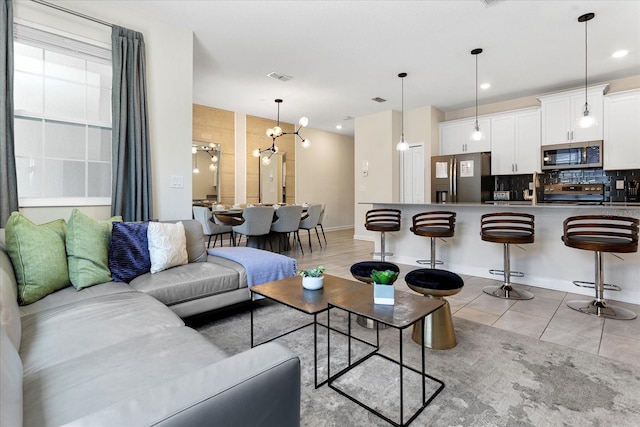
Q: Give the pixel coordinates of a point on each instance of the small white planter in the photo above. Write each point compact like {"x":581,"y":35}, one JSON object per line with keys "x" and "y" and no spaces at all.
{"x":383,"y":294}
{"x":313,"y":283}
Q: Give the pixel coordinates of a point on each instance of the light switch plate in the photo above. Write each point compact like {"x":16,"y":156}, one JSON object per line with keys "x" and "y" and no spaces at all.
{"x":177,"y":181}
{"x":619,"y":184}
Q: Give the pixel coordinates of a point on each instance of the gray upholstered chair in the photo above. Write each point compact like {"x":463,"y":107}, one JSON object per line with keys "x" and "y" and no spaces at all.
{"x":310,"y":221}
{"x":320,"y":223}
{"x":288,"y":221}
{"x":257,"y":223}
{"x":203,"y":216}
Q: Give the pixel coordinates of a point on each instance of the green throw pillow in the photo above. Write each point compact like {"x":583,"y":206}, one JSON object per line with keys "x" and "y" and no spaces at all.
{"x":88,"y":249}
{"x":38,"y":256}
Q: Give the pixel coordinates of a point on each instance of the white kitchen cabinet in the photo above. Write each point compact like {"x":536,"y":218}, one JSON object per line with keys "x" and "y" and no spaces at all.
{"x":455,"y":136}
{"x":515,"y":142}
{"x":622,"y":130}
{"x":561,"y":112}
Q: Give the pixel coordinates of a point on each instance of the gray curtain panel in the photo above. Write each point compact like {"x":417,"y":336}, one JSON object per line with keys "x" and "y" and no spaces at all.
{"x":8,"y":182}
{"x":131,"y":194}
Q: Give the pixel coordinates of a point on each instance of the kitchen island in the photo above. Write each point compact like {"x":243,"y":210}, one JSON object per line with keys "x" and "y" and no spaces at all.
{"x":546,"y":263}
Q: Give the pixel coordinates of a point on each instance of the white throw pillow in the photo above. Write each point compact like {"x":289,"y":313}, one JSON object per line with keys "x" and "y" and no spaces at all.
{"x":167,"y":245}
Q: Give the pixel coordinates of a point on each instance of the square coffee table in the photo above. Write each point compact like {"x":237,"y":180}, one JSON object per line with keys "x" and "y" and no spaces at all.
{"x":290,"y":292}
{"x":407,"y":310}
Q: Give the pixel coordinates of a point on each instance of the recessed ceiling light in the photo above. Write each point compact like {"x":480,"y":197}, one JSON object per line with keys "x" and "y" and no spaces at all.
{"x":485,"y":85}
{"x":338,"y":127}
{"x":620,"y":53}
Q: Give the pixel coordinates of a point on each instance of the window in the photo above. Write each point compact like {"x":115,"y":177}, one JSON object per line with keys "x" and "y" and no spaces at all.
{"x":62,"y":103}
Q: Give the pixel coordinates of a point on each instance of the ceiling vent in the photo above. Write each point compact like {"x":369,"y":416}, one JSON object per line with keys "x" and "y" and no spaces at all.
{"x":279,"y":76}
{"x":378,"y":99}
{"x":347,"y":118}
{"x":488,"y":3}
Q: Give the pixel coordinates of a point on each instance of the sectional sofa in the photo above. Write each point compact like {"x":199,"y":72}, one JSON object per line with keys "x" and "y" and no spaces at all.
{"x":120,"y":354}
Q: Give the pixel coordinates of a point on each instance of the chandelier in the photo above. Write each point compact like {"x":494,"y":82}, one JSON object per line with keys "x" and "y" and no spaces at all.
{"x":212,"y":149}
{"x":276,"y":132}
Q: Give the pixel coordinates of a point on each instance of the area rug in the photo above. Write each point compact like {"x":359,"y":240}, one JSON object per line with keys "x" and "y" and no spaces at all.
{"x":492,"y":377}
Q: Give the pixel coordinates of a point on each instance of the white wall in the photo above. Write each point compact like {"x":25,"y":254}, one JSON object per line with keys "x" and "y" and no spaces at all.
{"x":324,"y":174}
{"x":169,"y":60}
{"x":375,"y":142}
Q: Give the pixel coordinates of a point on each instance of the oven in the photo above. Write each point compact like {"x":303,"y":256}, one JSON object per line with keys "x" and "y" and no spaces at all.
{"x":579,"y":194}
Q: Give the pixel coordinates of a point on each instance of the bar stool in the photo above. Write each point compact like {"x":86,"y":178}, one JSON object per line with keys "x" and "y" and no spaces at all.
{"x":362,"y":271}
{"x":601,"y":233}
{"x":382,"y":220}
{"x":507,"y":228}
{"x":438,"y":326}
{"x":436,"y":224}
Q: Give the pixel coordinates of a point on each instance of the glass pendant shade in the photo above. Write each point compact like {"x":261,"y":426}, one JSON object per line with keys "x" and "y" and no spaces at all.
{"x":477,"y":134}
{"x":266,"y":160}
{"x":194,"y":150}
{"x":196,"y":170}
{"x":304,"y":121}
{"x":403,"y":145}
{"x":212,"y":167}
{"x":587,"y":120}
{"x":256,"y":152}
{"x":306,"y":143}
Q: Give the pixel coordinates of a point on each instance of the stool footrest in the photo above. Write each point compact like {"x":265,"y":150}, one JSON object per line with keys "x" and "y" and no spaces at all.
{"x":501,"y":273}
{"x":592,"y":285}
{"x":428,"y":261}
{"x":600,"y":308}
{"x":385,"y":254}
{"x":506,"y":291}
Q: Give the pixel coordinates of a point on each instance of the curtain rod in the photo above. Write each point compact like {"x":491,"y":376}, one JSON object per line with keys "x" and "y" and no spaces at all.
{"x":72,"y":12}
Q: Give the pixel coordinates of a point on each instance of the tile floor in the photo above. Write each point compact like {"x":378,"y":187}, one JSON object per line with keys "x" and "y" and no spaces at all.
{"x":546,"y":317}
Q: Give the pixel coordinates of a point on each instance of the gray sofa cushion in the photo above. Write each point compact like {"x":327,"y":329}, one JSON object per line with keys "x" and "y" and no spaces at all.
{"x":10,"y":383}
{"x":70,"y":295}
{"x":77,"y":387}
{"x":9,"y":311}
{"x":71,"y":331}
{"x":187,"y":282}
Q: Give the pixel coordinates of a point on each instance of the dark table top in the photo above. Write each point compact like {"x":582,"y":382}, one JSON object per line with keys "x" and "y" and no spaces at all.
{"x":407,"y":310}
{"x":290,"y":292}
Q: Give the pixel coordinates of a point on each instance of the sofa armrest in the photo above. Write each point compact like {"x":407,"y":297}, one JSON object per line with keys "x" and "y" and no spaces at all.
{"x":258,"y":387}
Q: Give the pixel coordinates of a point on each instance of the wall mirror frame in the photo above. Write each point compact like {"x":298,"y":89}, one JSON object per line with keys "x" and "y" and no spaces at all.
{"x":206,"y":161}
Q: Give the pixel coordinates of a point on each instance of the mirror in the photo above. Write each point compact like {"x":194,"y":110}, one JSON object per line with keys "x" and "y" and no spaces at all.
{"x":206,"y":172}
{"x":273,"y":180}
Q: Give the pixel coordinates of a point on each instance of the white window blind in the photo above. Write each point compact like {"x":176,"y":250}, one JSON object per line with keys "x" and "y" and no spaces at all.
{"x":62,"y":116}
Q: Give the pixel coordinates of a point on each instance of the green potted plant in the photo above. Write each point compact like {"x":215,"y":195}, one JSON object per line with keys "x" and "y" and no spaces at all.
{"x":312,"y":278}
{"x":383,"y":289}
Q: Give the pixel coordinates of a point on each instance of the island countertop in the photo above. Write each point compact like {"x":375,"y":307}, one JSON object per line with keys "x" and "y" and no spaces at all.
{"x":547,"y":263}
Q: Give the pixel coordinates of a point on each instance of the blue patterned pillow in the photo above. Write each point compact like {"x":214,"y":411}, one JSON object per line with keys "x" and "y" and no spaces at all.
{"x":129,"y":251}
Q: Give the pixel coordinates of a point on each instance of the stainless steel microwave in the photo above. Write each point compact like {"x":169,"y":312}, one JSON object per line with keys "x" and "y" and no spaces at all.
{"x":576,"y":155}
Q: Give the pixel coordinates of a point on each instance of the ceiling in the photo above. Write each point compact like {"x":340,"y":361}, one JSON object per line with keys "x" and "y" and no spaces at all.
{"x":343,"y":53}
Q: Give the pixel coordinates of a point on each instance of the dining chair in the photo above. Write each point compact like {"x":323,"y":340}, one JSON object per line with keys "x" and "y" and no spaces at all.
{"x":310,"y":221}
{"x":203,"y":216}
{"x":320,"y":223}
{"x":288,"y":222}
{"x":257,"y":223}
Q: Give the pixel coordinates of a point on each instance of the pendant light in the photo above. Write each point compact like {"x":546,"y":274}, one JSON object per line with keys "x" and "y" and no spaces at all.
{"x":403,"y":145}
{"x":586,"y":120}
{"x":477,"y":135}
{"x":276,"y":132}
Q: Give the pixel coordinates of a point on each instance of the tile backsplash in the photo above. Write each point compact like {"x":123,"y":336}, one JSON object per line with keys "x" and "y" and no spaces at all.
{"x":620,"y":186}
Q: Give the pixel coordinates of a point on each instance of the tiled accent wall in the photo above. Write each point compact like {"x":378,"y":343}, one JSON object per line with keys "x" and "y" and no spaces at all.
{"x":630,"y":178}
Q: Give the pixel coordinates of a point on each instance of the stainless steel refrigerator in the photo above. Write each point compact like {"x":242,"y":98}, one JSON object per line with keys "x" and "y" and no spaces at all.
{"x":461,"y":178}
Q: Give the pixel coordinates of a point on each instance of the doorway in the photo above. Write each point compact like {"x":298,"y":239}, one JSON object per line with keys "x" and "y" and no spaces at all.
{"x":412,"y":174}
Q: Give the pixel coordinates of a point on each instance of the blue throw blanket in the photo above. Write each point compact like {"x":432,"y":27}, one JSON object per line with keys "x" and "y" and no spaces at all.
{"x":261,"y":266}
